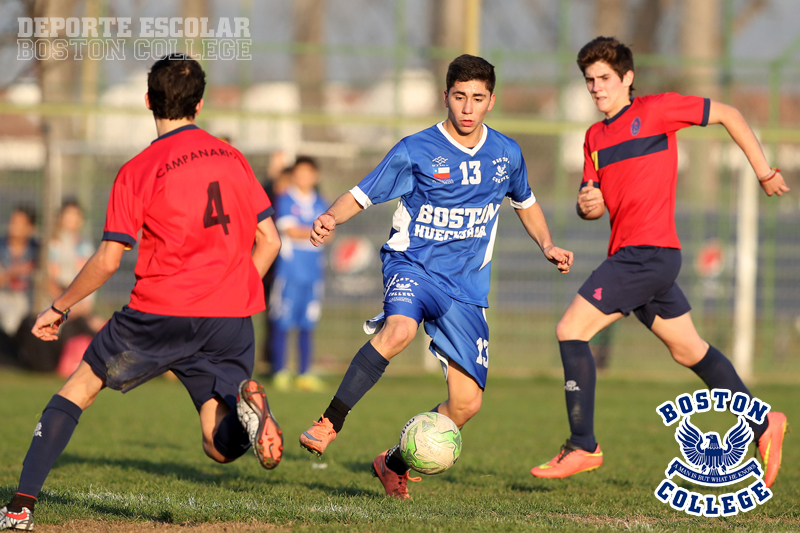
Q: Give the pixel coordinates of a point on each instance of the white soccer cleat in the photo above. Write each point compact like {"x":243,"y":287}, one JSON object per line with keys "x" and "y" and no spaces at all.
{"x":22,"y":520}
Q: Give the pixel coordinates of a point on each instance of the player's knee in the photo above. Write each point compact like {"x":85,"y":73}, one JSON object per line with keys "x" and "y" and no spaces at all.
{"x":465,"y":408}
{"x":566,"y":330}
{"x":686,"y":355}
{"x":212,"y":452}
{"x":397,"y":337}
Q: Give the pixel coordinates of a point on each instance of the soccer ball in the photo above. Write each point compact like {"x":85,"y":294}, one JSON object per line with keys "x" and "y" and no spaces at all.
{"x":430,"y":443}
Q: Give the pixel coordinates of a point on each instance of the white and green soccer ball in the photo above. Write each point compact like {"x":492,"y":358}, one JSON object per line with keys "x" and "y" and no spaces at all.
{"x":430,"y":443}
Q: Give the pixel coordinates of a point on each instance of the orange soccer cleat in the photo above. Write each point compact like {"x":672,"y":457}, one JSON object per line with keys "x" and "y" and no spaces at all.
{"x":316,"y":438}
{"x":770,"y":446}
{"x":569,"y":461}
{"x":262,"y":428}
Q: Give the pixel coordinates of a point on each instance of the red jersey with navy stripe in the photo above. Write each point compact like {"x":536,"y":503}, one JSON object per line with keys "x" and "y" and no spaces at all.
{"x":633,"y":158}
{"x":196,"y":203}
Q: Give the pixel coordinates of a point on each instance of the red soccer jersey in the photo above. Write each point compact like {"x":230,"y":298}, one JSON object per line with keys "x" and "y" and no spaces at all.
{"x":197,"y":203}
{"x":633,"y":157}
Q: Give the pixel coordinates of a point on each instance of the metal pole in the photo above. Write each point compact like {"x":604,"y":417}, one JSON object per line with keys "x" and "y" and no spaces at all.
{"x":744,"y":316}
{"x":472,"y":23}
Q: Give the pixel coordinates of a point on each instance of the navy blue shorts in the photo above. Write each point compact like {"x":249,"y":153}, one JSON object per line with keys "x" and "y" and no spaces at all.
{"x":211,"y":356}
{"x":639,"y":279}
{"x":458,"y":330}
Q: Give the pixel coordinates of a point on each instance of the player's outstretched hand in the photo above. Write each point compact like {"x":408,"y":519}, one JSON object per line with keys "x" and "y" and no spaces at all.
{"x":775,"y":185}
{"x":590,"y":198}
{"x":323,"y":226}
{"x":559,"y":257}
{"x":46,"y":326}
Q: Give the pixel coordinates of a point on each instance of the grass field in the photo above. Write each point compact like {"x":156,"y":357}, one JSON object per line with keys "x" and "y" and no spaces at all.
{"x":135,"y":462}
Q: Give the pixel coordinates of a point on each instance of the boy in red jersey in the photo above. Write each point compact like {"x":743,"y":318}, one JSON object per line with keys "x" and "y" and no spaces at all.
{"x":207,"y":239}
{"x":631,"y":168}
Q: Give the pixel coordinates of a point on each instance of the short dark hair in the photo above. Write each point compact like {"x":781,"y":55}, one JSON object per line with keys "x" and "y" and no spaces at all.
{"x":70,"y":202}
{"x":175,"y":86}
{"x":307,"y":160}
{"x":610,"y":51}
{"x":28,"y":210}
{"x":467,"y":68}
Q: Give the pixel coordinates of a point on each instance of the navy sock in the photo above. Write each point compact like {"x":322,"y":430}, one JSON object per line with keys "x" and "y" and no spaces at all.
{"x":305,"y":347}
{"x":50,"y":437}
{"x":718,"y":373}
{"x":336,"y":413}
{"x":365,"y":370}
{"x":580,"y":378}
{"x":231,"y":439}
{"x":277,"y":339}
{"x":395,"y":462}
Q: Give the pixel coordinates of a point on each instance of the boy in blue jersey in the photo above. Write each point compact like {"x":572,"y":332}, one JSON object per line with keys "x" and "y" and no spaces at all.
{"x":295,"y":301}
{"x":451,"y":179}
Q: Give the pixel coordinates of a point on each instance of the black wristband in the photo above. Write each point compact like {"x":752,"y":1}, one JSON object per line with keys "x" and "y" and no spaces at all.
{"x":64,"y":314}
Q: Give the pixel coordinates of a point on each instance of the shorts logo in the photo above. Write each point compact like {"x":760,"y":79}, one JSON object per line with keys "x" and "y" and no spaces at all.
{"x":711,"y":461}
{"x":400,"y":289}
{"x":636,"y":126}
{"x":571,"y":386}
{"x":38,"y":431}
{"x":598,"y":294}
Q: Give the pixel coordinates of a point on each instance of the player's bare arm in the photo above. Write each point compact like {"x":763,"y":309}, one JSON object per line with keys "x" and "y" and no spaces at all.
{"x":590,"y":204}
{"x":94,"y":273}
{"x":268,"y":244}
{"x":533,"y":220}
{"x":343,"y":209}
{"x":742,"y":134}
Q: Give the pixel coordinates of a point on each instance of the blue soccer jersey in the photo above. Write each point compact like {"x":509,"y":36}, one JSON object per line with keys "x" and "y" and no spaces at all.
{"x":450,"y":195}
{"x":299,"y":260}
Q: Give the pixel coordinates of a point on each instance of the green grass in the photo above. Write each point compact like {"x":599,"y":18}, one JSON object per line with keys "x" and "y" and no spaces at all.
{"x":136,"y":459}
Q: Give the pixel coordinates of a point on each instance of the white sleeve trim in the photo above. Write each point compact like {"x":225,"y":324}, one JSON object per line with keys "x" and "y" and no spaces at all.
{"x":360,"y":197}
{"x":523,"y":205}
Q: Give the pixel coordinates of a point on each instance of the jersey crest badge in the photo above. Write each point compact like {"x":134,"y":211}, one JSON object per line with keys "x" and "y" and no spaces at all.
{"x":636,"y":126}
{"x":440,"y":171}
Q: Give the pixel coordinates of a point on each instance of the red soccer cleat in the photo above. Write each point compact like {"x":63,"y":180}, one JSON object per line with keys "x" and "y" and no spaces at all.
{"x":394,"y":484}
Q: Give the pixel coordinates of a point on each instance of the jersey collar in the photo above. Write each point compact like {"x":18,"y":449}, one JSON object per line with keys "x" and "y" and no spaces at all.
{"x":177,"y":130}
{"x":469,"y":151}
{"x":621,"y":111}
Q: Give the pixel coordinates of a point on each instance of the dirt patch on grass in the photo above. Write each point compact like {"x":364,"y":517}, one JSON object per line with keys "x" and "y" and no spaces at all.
{"x":94,"y":526}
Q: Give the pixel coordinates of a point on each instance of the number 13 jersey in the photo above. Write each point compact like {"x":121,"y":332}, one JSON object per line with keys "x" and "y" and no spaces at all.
{"x":197,"y":203}
{"x":446,"y":220}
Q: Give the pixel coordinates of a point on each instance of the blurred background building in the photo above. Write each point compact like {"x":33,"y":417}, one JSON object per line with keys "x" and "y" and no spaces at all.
{"x":343,"y":80}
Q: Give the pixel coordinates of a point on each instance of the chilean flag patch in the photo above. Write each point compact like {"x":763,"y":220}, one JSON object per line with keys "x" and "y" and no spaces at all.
{"x":441,"y":173}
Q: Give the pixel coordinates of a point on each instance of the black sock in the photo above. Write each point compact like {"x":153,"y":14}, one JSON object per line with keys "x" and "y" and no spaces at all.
{"x":365,"y":370}
{"x":580,"y":378}
{"x":336,"y":412}
{"x":395,"y":462}
{"x":50,"y":437}
{"x":18,"y":501}
{"x":718,"y":373}
{"x":231,"y":439}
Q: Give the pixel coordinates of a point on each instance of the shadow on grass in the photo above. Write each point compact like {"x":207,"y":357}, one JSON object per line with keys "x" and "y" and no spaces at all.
{"x":179,"y":471}
{"x":124,"y":510}
{"x":346,"y":491}
{"x":519,"y":487}
{"x":358,"y":467}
